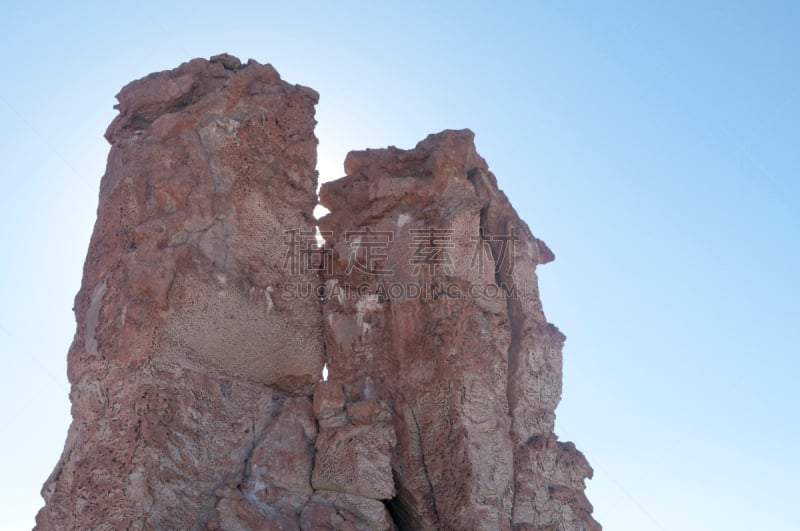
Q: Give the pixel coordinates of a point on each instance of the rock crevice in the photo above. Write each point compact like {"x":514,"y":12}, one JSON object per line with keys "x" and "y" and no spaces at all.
{"x":208,"y":309}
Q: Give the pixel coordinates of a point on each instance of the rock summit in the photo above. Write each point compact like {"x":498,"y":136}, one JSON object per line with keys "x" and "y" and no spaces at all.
{"x":212,"y":300}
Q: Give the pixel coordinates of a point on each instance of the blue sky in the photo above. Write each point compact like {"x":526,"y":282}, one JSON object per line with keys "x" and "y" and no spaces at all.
{"x":652,"y":145}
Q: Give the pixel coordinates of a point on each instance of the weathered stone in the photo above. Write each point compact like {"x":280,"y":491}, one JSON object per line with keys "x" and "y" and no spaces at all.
{"x":354,"y":455}
{"x":336,"y":510}
{"x":355,"y":460}
{"x":329,"y":403}
{"x":196,"y":364}
{"x":228,"y":61}
{"x":437,"y":301}
{"x":549,"y":486}
{"x":367,"y":412}
{"x":178,"y":329}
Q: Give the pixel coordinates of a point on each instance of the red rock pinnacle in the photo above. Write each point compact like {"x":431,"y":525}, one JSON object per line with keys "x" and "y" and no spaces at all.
{"x":209,"y":305}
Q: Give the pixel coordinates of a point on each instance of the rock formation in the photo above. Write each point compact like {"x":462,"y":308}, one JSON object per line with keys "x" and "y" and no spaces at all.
{"x":212,"y":298}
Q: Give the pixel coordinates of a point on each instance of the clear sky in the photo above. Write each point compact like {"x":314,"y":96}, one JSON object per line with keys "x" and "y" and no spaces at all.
{"x":652,"y":145}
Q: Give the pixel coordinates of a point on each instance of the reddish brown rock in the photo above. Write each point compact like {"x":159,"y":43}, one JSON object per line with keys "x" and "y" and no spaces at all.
{"x":203,"y":330}
{"x":179,"y":331}
{"x":329,"y":404}
{"x":353,"y":455}
{"x":549,"y":486}
{"x":432,"y":296}
{"x":336,"y":510}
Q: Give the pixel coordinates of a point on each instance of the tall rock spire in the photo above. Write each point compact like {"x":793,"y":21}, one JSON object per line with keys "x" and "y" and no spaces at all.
{"x":212,"y":298}
{"x":434,"y":296}
{"x":179,"y":332}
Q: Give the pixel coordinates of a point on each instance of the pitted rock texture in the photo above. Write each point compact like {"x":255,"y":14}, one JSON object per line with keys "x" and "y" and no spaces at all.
{"x":196,"y":365}
{"x":183,"y":356}
{"x":438,"y":304}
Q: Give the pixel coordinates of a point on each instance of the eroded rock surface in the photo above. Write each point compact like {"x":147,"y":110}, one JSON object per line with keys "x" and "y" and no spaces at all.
{"x":184,"y":360}
{"x":433,"y":294}
{"x":208,"y":307}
